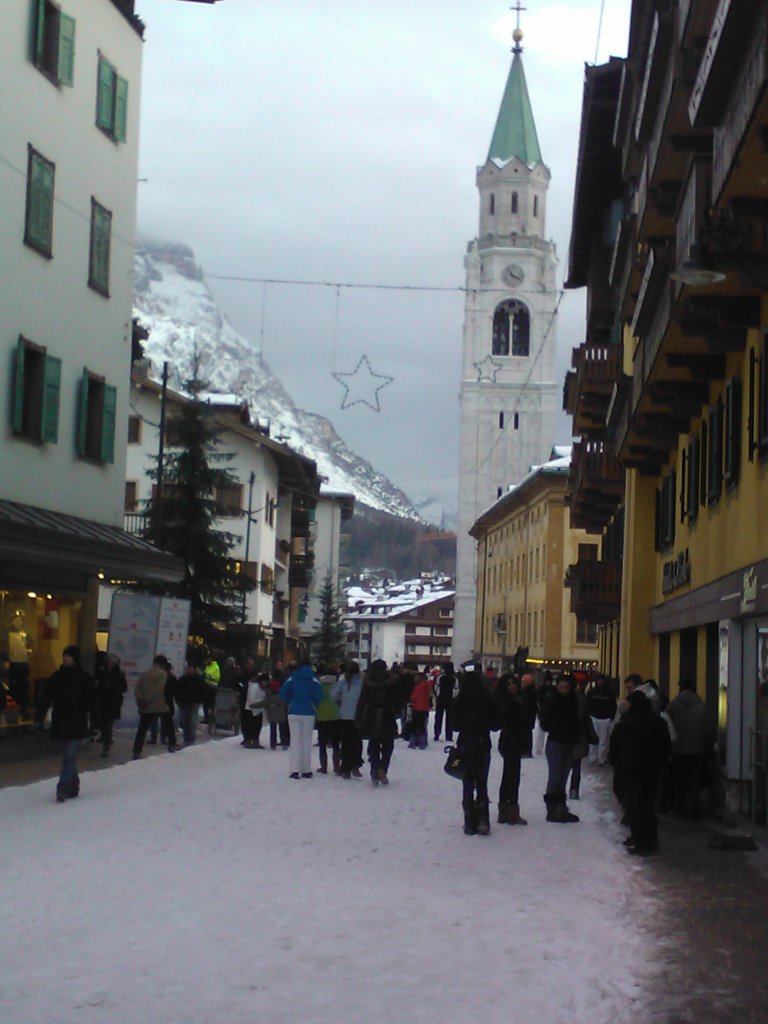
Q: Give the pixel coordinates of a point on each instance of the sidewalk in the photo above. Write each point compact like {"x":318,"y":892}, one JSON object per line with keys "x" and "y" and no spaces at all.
{"x":706,"y":920}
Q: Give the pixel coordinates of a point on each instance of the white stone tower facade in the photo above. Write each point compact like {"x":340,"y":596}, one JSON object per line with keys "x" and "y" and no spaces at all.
{"x":509,"y":396}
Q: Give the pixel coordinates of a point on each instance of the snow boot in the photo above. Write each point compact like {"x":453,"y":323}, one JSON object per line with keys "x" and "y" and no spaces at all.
{"x":554,"y":810}
{"x":573,"y":793}
{"x":483,"y":818}
{"x":470,"y":818}
{"x":514,"y":815}
{"x":336,"y":763}
{"x":503,"y":818}
{"x":423,"y":741}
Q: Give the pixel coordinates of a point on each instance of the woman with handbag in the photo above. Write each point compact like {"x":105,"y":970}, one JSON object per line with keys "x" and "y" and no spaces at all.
{"x":475,"y":717}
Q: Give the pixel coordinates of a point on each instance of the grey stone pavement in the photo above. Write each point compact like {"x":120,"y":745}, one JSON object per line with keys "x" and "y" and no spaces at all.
{"x":703,"y":911}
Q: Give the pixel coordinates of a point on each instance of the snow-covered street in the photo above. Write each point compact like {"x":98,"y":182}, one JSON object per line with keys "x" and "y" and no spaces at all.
{"x":208,"y":886}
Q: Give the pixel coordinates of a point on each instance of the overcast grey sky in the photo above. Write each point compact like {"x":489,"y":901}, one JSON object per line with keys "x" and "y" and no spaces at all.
{"x":338,"y":141}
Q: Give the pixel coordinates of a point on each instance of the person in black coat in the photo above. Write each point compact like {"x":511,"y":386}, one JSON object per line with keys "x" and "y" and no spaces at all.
{"x":111,"y":686}
{"x":560,"y":718}
{"x":643,"y":748}
{"x":529,"y":698}
{"x":474,"y":713}
{"x":514,"y":742}
{"x":444,"y":702}
{"x":376,"y":717}
{"x":72,"y":694}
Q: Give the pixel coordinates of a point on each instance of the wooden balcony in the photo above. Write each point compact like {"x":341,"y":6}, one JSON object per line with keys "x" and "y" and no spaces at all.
{"x":595,"y":590}
{"x":589,"y":385}
{"x":596,"y":485}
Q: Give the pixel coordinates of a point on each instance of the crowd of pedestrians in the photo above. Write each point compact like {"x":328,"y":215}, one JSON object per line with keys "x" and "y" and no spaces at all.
{"x":659,"y":749}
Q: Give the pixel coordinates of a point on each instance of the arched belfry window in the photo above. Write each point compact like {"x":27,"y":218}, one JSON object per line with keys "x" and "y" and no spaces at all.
{"x":492,"y":204}
{"x":511,"y":329}
{"x":514,"y":202}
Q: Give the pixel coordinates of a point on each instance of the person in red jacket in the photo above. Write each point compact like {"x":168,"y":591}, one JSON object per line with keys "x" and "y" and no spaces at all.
{"x":421,"y":703}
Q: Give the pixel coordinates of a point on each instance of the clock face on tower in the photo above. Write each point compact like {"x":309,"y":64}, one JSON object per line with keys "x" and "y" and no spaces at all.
{"x":513,"y":275}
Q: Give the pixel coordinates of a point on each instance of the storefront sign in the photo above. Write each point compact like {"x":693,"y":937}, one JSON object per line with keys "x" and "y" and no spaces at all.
{"x":676,"y":573}
{"x":749,"y":590}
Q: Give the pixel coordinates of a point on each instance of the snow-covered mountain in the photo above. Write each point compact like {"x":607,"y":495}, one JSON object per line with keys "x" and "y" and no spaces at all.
{"x":173,"y":302}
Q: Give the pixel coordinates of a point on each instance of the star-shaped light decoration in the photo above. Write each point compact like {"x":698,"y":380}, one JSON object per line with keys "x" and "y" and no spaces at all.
{"x":360,"y":387}
{"x":487,"y":370}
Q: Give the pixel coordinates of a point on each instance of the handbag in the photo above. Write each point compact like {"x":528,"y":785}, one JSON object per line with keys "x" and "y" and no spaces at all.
{"x":454,"y":764}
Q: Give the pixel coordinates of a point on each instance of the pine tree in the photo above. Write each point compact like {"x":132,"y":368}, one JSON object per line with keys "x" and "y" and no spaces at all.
{"x":329,"y":642}
{"x":182,"y":514}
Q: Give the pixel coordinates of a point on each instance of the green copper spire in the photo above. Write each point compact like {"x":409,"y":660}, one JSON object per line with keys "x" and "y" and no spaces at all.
{"x":515,"y":132}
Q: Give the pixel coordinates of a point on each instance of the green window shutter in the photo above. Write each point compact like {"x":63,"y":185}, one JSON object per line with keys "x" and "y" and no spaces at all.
{"x":105,"y":96}
{"x":108,"y":425}
{"x":40,"y":203}
{"x":18,"y":386}
{"x":101,"y":231}
{"x":51,"y":390}
{"x":66,"y":50}
{"x":82,"y":415}
{"x":121,"y":109}
{"x":38,"y":31}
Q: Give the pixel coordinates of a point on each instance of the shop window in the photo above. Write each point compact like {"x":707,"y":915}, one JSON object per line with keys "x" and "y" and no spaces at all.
{"x":96,"y":419}
{"x":38,"y":219}
{"x":762,"y":413}
{"x":111,"y":101}
{"x":134,"y":430}
{"x":732,"y":433}
{"x":54,"y":42}
{"x":692,"y":488}
{"x":715,"y":460}
{"x":511,"y":329}
{"x":229,"y":500}
{"x":98,"y":253}
{"x":36,"y":390}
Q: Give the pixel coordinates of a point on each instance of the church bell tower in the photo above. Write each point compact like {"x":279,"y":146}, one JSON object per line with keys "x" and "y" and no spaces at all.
{"x":509,"y":396}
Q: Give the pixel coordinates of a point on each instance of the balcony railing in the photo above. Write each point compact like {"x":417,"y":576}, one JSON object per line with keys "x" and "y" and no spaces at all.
{"x":595,"y":590}
{"x":596,"y":484}
{"x":135,"y":523}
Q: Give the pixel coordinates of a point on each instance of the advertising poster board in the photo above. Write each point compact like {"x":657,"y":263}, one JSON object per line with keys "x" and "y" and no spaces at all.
{"x":142,"y":625}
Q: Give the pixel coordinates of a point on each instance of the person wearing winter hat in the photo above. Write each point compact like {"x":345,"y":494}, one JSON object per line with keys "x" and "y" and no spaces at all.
{"x":376,"y":717}
{"x":71,"y":692}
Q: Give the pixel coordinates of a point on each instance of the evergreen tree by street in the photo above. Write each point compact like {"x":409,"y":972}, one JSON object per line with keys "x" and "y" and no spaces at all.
{"x":182,"y":521}
{"x":329,"y":642}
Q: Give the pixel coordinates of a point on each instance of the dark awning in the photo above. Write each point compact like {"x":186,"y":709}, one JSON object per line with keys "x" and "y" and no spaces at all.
{"x":37,"y":540}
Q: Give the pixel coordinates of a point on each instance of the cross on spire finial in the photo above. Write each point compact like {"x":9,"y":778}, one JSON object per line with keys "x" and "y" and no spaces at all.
{"x":517,"y":35}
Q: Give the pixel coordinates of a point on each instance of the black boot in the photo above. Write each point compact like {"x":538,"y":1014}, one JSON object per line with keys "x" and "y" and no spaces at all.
{"x":470,"y":818}
{"x":565,"y":815}
{"x":573,"y":793}
{"x":483,"y":817}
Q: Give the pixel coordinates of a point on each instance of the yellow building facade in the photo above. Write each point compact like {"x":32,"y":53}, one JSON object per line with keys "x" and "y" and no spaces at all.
{"x":525,"y":547}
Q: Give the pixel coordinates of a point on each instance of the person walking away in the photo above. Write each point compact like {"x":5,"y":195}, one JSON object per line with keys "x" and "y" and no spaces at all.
{"x":601,"y":705}
{"x":475,"y":717}
{"x":229,"y":674}
{"x":560,"y":719}
{"x":586,"y":739}
{"x":253,"y":698}
{"x":614,"y":757}
{"x":276,"y":711}
{"x":111,"y":686}
{"x":444,"y":702}
{"x":644,"y":748}
{"x":188,"y":692}
{"x":530,"y":707}
{"x":514,"y":740}
{"x":151,"y":700}
{"x":327,"y":723}
{"x":346,"y":693}
{"x":71,"y":692}
{"x":376,"y":717}
{"x":690,"y":747}
{"x":540,"y":736}
{"x":302,"y":693}
{"x":421,"y":703}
